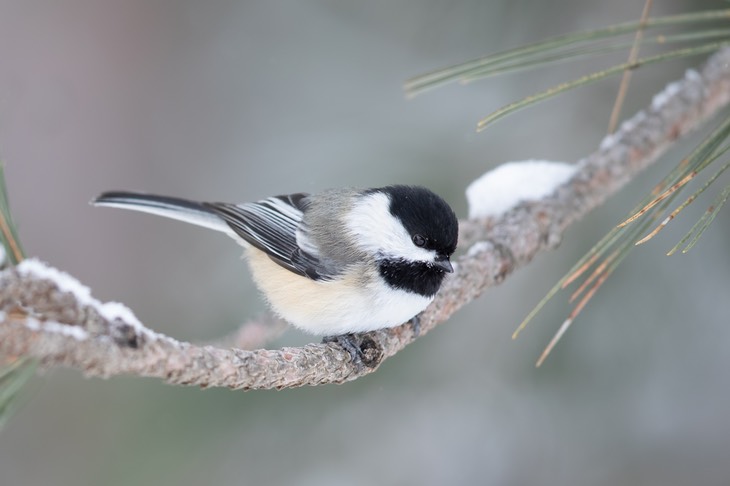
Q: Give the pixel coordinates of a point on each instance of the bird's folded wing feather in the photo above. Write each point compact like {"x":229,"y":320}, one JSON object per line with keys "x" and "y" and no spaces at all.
{"x":271,"y":225}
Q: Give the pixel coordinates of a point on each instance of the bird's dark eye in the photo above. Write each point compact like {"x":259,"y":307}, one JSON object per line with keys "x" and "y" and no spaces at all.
{"x":419,"y":241}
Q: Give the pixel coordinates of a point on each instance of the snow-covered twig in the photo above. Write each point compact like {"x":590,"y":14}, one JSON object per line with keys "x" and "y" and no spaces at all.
{"x":50,"y":316}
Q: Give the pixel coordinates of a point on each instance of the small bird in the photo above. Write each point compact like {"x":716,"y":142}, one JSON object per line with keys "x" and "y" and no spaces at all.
{"x":339,"y":262}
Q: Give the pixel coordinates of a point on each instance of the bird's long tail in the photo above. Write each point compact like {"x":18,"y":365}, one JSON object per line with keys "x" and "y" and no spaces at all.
{"x":170,"y":207}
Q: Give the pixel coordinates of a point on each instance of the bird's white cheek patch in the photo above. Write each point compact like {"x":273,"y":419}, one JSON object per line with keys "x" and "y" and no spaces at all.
{"x":377,"y":231}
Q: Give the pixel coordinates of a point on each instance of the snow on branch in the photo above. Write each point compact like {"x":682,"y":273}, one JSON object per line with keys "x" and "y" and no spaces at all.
{"x":47,"y":314}
{"x":511,"y":183}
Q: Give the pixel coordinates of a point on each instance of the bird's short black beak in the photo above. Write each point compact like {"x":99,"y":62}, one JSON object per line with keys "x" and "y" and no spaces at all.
{"x":442,"y":261}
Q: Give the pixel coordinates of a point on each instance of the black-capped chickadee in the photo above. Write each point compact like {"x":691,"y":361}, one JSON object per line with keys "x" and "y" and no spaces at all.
{"x":342,"y":261}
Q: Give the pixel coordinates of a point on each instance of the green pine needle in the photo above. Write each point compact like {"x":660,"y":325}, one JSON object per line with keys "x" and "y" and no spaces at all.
{"x":13,"y":378}
{"x":593,"y":77}
{"x":15,"y":375}
{"x":8,"y":233}
{"x":549,"y":47}
{"x":699,"y":228}
{"x":559,"y":57}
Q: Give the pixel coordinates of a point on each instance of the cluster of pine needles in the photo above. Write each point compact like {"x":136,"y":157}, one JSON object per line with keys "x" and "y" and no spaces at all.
{"x":15,"y":371}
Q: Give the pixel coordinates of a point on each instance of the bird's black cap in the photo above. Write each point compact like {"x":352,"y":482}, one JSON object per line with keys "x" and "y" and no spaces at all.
{"x":424,"y":213}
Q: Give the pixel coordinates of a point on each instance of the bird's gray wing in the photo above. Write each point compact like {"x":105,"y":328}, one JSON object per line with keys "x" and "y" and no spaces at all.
{"x":272,"y":225}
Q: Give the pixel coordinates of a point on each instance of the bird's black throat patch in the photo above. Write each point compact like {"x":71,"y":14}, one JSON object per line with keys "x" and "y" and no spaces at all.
{"x":419,"y":278}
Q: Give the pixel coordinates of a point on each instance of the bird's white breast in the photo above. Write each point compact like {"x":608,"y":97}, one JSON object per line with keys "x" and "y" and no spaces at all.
{"x":354,"y":303}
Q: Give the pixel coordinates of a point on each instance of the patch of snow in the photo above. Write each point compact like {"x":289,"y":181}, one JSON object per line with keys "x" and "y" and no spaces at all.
{"x":116,"y":310}
{"x":478,"y":247}
{"x":660,"y":99}
{"x":54,"y":327}
{"x":111,"y":311}
{"x":504,"y":187}
{"x":65,"y":282}
{"x":671,"y":90}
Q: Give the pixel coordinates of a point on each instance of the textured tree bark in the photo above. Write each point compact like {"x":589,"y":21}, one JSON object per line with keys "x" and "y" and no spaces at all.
{"x":40,"y":320}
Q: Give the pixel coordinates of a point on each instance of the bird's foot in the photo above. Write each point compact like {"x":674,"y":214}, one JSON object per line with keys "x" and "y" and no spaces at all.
{"x":416,"y":324}
{"x":363,"y":350}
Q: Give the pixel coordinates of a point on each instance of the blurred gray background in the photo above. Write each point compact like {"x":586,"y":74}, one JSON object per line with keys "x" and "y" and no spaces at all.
{"x":235,"y":101}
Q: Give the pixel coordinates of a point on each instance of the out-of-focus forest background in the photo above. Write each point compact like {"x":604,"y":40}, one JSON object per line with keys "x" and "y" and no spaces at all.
{"x":235,"y":101}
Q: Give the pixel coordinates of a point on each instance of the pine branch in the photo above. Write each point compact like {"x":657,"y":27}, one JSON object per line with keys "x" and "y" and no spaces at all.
{"x":40,"y":320}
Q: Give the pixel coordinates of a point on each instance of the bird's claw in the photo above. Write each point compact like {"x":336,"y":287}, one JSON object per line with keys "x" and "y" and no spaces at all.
{"x":416,"y":324}
{"x":363,"y":350}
